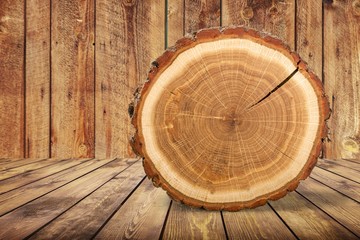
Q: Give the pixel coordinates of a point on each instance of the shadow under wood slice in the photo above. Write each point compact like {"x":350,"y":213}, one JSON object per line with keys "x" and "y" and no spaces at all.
{"x":228,"y":119}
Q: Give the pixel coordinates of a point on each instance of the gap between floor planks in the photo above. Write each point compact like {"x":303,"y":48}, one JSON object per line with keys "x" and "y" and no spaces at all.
{"x":110,"y":198}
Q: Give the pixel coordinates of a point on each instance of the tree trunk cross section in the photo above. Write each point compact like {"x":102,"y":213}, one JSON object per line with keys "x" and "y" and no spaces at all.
{"x":228,"y":119}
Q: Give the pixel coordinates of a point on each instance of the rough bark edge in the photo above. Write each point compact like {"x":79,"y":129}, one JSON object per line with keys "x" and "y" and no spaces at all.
{"x":208,"y":35}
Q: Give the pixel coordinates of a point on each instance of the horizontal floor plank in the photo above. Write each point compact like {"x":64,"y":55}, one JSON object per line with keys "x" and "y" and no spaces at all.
{"x":307,"y":221}
{"x":254,"y":224}
{"x":29,"y":177}
{"x":345,"y":163}
{"x":84,"y":219}
{"x":25,"y":220}
{"x":346,"y":172}
{"x":11,"y":172}
{"x":339,"y":183}
{"x":12,"y":163}
{"x":19,"y":196}
{"x":141,"y":217}
{"x":345,"y":210}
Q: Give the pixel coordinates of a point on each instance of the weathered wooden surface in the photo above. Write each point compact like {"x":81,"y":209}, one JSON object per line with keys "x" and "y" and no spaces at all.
{"x":127,"y":36}
{"x":275,"y":17}
{"x":198,"y":143}
{"x":12,"y":82}
{"x":37,"y":95}
{"x":342,"y":77}
{"x":72,"y":79}
{"x":110,"y":199}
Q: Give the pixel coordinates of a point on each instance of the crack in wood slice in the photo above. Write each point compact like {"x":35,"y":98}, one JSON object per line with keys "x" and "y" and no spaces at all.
{"x":229,"y":118}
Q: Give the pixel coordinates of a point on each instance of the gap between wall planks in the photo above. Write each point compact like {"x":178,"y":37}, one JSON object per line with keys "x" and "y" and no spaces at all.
{"x":81,"y":91}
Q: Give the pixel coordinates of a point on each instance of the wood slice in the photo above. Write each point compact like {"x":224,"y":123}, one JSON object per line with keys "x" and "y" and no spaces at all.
{"x":228,"y":119}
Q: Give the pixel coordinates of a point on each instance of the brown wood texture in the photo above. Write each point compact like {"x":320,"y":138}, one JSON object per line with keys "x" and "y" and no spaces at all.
{"x":31,"y":176}
{"x":37,"y":95}
{"x":129,"y":35}
{"x":72,"y":79}
{"x":191,"y":223}
{"x":200,"y":14}
{"x":84,"y":220}
{"x":254,"y":224}
{"x":175,"y":21}
{"x":307,"y":221}
{"x":309,"y":40}
{"x":12,"y":82}
{"x":276,"y":16}
{"x":342,"y":77}
{"x":66,"y":197}
{"x":141,"y":217}
{"x":47,"y":100}
{"x":341,"y":208}
{"x":195,"y":166}
{"x":17,"y":196}
{"x":107,"y":199}
{"x":345,"y":186}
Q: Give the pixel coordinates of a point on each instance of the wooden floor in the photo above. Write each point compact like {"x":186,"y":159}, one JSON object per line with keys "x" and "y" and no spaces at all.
{"x":91,"y":198}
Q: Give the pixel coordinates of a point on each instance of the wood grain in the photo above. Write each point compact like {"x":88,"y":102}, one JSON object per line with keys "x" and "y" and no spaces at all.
{"x":175,"y":21}
{"x":84,"y":219}
{"x":37,"y":94}
{"x":208,"y":109}
{"x":72,"y":74}
{"x":344,"y":163}
{"x":346,"y":211}
{"x":26,"y":178}
{"x":192,"y":223}
{"x":12,"y":81}
{"x":340,"y":184}
{"x":26,"y":168}
{"x":42,"y":210}
{"x":141,"y":217}
{"x":128,"y":37}
{"x":346,"y":172}
{"x":21,"y":195}
{"x":307,"y":221}
{"x":9,"y":163}
{"x":201,"y":14}
{"x":342,"y":77}
{"x":254,"y":224}
{"x":308,"y":32}
{"x":275,"y":17}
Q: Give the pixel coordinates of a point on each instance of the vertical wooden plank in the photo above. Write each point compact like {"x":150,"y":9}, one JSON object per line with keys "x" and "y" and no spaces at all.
{"x":175,"y":21}
{"x":12,"y":78}
{"x":129,"y":35}
{"x":276,"y":17}
{"x":37,"y":94}
{"x":309,"y":33}
{"x":72,"y":100}
{"x":201,"y":14}
{"x":342,"y":77}
{"x":193,"y":223}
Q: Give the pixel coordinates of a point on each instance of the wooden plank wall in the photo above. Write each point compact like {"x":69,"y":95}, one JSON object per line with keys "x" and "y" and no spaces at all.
{"x":68,"y":69}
